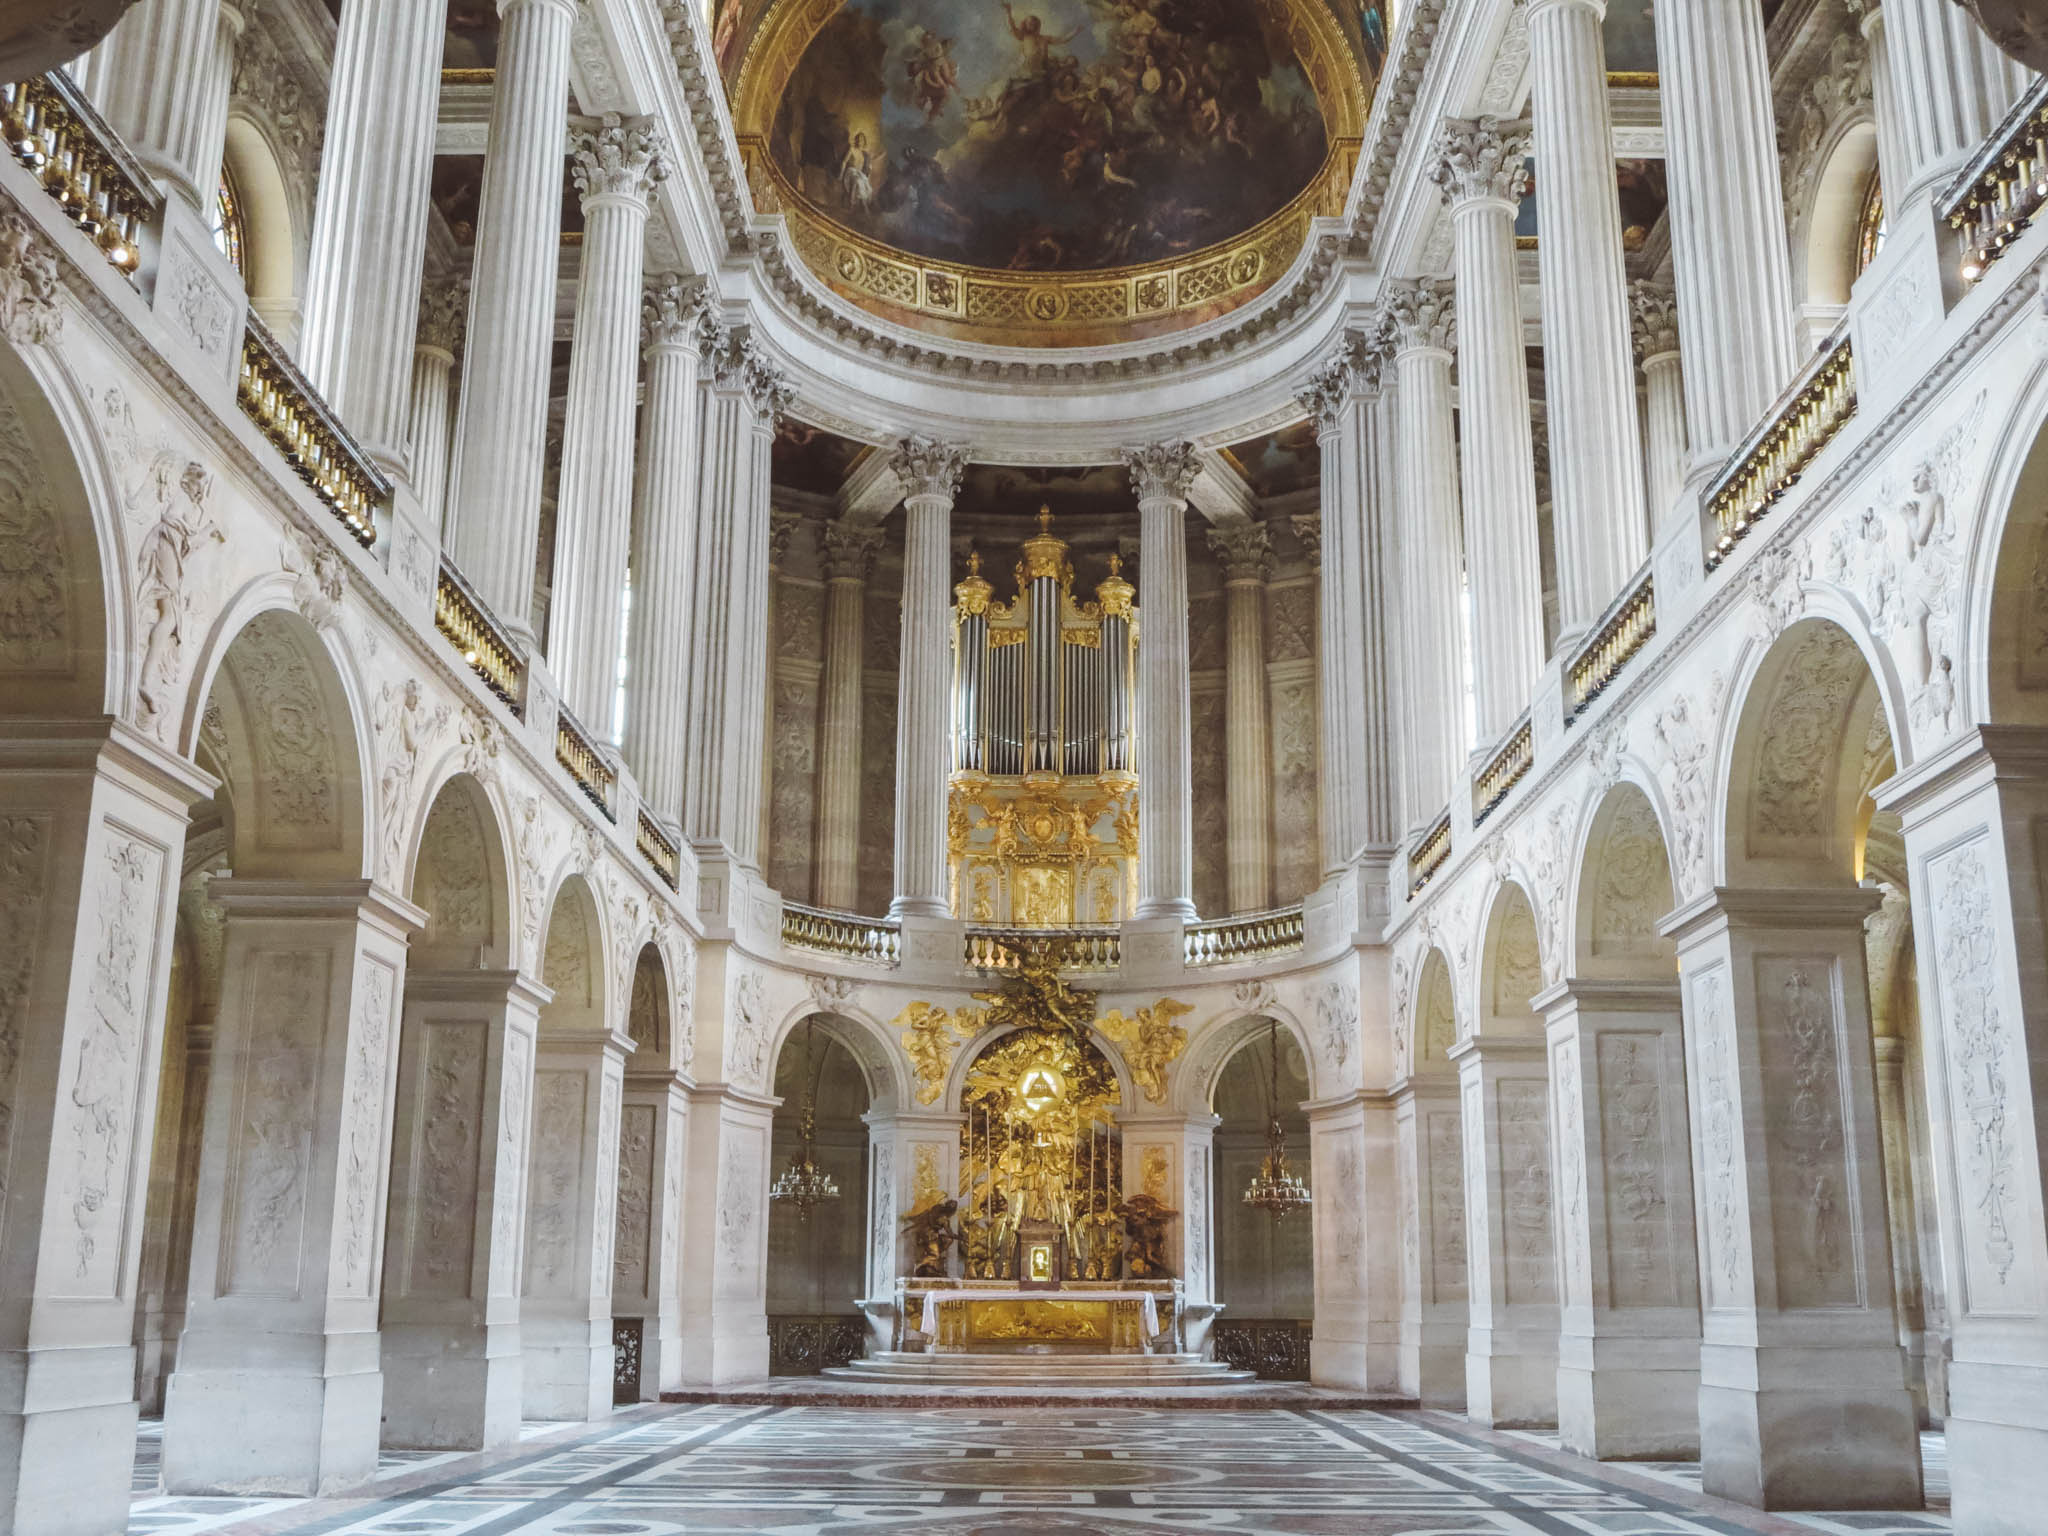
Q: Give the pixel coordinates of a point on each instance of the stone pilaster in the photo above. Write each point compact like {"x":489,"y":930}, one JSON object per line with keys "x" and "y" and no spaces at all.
{"x":1479,"y":166}
{"x":1803,"y":1401}
{"x":1737,"y":323}
{"x":724,"y":1268}
{"x":850,"y":549}
{"x":161,"y":79}
{"x":370,"y":220}
{"x":930,"y":472}
{"x":279,"y":1386}
{"x":1511,"y":1336}
{"x":1429,"y":1154}
{"x":1423,"y":332}
{"x":1162,"y":474}
{"x":441,"y":308}
{"x":493,"y":516}
{"x":663,"y":542}
{"x":1654,"y":310}
{"x":1595,"y":472}
{"x":727,"y":658}
{"x":455,"y":1227}
{"x":1246,"y":552}
{"x":1628,"y":1351}
{"x":615,"y":166}
{"x":1941,"y":86}
{"x":1357,"y":1342}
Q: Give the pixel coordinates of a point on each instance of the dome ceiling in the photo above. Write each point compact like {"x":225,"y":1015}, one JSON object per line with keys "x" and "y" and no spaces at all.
{"x":1048,"y":171}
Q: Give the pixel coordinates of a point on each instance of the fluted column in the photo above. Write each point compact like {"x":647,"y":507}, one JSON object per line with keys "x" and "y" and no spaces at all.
{"x":1940,"y":85}
{"x":1479,"y":166}
{"x":1424,"y":331}
{"x":1162,"y":475}
{"x":1737,"y":323}
{"x":1601,"y":530}
{"x":501,"y":424}
{"x":850,"y":549}
{"x":663,"y":542}
{"x":441,"y":307}
{"x":1654,"y":309}
{"x":726,"y":663}
{"x":1359,"y":780}
{"x":161,"y":81}
{"x":1246,"y":551}
{"x":370,"y":220}
{"x":615,"y":166}
{"x":930,"y":472}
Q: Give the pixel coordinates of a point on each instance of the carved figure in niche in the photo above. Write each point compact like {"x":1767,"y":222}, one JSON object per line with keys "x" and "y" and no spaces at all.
{"x":1145,"y":1222}
{"x":183,"y":525}
{"x":931,"y":1238}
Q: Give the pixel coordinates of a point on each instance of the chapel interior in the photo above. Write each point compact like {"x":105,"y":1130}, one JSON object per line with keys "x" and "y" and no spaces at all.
{"x":1015,"y":767}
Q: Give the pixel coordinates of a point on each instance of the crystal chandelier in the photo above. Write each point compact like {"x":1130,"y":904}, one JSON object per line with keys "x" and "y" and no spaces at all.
{"x":1273,"y":1188}
{"x":803,"y":1182}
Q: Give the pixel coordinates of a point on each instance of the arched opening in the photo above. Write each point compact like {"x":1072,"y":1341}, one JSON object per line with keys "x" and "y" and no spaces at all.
{"x":1265,"y":1264}
{"x":1430,"y":1138}
{"x":258,"y":228}
{"x":646,"y":1320}
{"x":1839,"y":235}
{"x":817,"y":1249}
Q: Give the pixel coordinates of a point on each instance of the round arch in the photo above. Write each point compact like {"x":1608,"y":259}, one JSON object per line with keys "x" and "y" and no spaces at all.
{"x":1825,"y":251}
{"x":2007,"y":683}
{"x":460,"y":876}
{"x":1510,"y":963}
{"x":1433,"y":1027}
{"x":1622,"y":890}
{"x":1201,"y":1067}
{"x":572,"y":963}
{"x":276,"y":220}
{"x":866,"y":1039}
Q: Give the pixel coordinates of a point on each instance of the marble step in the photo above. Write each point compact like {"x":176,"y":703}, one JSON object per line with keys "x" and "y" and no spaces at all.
{"x":1041,"y":1370}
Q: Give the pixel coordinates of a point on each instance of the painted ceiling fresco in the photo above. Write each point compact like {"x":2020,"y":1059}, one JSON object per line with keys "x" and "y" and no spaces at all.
{"x":1049,"y":135}
{"x":808,"y":458}
{"x":1279,"y":463}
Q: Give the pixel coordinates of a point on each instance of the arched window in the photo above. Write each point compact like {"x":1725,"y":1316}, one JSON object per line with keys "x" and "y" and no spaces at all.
{"x":1870,"y":224}
{"x":224,"y":220}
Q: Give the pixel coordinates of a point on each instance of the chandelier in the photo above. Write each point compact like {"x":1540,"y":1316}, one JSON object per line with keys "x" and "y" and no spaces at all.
{"x":1273,"y":1188}
{"x":803,"y":1183}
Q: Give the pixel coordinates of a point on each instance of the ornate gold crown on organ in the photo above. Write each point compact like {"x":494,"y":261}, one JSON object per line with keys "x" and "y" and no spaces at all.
{"x":1042,"y":817}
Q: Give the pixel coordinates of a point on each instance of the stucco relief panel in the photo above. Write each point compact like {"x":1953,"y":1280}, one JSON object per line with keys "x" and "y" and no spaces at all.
{"x":553,"y":1204}
{"x":1813,"y":1210}
{"x":447,"y":1117}
{"x":285,"y":1002}
{"x":1640,"y":1248}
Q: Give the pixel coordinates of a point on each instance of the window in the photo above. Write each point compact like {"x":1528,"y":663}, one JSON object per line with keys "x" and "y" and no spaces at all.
{"x":226,"y":222}
{"x":1870,"y":224}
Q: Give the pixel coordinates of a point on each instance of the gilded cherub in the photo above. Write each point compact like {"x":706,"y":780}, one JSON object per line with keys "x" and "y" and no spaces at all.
{"x":1150,"y":1042}
{"x":931,"y":1036}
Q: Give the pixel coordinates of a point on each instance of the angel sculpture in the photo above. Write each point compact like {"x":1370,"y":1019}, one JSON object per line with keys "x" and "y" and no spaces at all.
{"x":1150,"y":1042}
{"x":1145,"y":1222}
{"x":928,"y":1037}
{"x":931,"y":1238}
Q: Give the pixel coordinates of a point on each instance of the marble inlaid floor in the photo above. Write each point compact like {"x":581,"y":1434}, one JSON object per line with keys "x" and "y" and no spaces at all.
{"x":962,"y":1471}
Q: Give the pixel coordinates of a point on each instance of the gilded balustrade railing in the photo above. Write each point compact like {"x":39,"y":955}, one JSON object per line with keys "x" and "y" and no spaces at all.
{"x":1251,"y":936}
{"x":290,"y":412}
{"x":2003,"y":187}
{"x":577,"y":752}
{"x":874,"y":940}
{"x":1626,"y":630}
{"x":54,"y":132}
{"x":659,"y":849}
{"x":1003,"y":950}
{"x":1503,"y":771}
{"x":1808,"y":415}
{"x":461,"y":616}
{"x":1429,"y":854}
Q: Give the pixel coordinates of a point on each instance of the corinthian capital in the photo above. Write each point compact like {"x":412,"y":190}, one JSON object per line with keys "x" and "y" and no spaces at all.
{"x":850,"y":549}
{"x":444,"y":307}
{"x":1352,"y":369}
{"x":1245,"y":549}
{"x":735,"y":362}
{"x":670,"y":311}
{"x":1653,"y":318}
{"x":928,"y":467}
{"x":616,"y":158}
{"x":1481,"y":158}
{"x":1161,"y":470}
{"x":1418,"y":313}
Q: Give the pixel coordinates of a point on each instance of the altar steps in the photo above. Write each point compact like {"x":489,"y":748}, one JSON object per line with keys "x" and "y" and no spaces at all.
{"x":1019,"y":1371}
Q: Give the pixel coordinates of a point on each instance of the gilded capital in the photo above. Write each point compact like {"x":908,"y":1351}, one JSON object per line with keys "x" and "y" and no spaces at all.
{"x":1481,"y":157}
{"x":617,"y":158}
{"x":850,"y":549}
{"x":1245,"y":549}
{"x":1419,"y":315}
{"x":928,"y":467}
{"x":444,"y":310}
{"x":1653,"y":319}
{"x":670,"y":311}
{"x":1161,"y":470}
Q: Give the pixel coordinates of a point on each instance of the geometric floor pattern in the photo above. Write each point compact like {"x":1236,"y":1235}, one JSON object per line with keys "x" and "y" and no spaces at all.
{"x":958,"y":1471}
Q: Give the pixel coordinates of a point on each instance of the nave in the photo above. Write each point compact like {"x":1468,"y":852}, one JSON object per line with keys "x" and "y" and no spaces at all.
{"x":994,"y":1471}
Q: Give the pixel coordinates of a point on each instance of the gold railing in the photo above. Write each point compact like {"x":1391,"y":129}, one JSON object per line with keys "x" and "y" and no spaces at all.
{"x":1252,"y":936}
{"x":660,"y":850}
{"x":1429,"y":854}
{"x":1080,"y":949}
{"x":874,"y":940}
{"x":1998,"y":193}
{"x":1627,"y":629}
{"x":54,"y":132}
{"x":461,"y":616}
{"x":1503,"y":771}
{"x":575,"y":751}
{"x":290,"y":412}
{"x":1807,"y":417}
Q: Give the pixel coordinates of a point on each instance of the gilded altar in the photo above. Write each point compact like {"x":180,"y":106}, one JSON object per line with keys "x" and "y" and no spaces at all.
{"x":958,"y":1316}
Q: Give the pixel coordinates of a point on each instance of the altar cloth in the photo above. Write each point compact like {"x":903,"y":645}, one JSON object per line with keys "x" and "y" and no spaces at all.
{"x":928,"y":1318}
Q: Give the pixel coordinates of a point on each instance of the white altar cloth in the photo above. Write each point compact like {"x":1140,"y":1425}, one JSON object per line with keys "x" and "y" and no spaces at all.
{"x":928,"y":1318}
